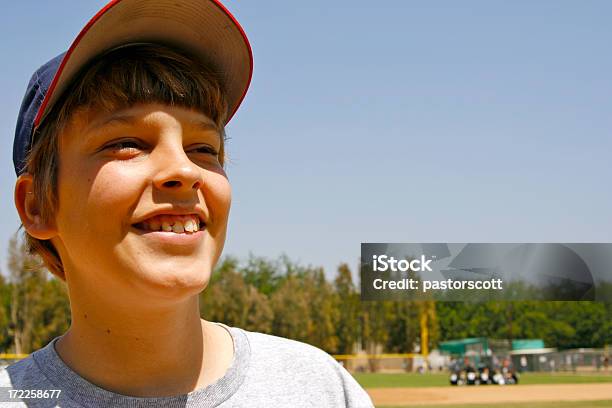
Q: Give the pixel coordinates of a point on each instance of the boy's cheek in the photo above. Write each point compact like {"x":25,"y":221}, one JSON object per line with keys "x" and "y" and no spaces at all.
{"x":98,"y":195}
{"x":218,"y":199}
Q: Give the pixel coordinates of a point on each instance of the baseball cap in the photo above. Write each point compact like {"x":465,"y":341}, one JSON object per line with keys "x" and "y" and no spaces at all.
{"x":204,"y":28}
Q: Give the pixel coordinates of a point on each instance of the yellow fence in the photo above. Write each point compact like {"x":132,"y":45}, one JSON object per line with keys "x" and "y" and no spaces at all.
{"x":384,"y":362}
{"x":375,"y":356}
{"x":4,"y":356}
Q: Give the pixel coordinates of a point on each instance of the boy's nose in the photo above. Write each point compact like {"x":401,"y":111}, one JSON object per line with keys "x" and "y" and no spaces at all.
{"x":178,"y":173}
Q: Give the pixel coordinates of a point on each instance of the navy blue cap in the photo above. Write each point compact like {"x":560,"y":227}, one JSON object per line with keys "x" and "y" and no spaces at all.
{"x":33,"y":99}
{"x":204,"y":28}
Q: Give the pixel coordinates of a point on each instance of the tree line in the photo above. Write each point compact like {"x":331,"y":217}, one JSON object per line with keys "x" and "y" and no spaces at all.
{"x":283,"y":298}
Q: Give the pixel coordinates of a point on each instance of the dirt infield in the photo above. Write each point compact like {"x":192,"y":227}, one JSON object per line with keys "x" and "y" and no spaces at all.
{"x":489,"y":394}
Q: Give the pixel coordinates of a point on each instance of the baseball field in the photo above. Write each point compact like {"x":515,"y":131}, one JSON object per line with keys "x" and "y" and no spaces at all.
{"x":537,"y":390}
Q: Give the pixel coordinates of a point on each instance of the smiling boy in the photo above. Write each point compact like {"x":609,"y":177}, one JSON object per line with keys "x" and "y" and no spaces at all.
{"x":119,"y":152}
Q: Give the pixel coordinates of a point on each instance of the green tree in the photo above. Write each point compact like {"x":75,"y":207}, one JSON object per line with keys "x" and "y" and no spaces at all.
{"x":39,"y":306}
{"x":376,"y":318}
{"x":324,"y":313}
{"x":230,"y":300}
{"x":291,"y":308}
{"x":583,"y":324}
{"x":27,"y":278}
{"x":349,"y":325}
{"x":262,"y":274}
{"x":403,"y":327}
{"x":5,"y":302}
{"x":53,"y":318}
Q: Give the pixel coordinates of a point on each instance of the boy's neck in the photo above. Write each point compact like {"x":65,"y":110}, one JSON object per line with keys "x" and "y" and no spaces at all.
{"x":170,"y":352}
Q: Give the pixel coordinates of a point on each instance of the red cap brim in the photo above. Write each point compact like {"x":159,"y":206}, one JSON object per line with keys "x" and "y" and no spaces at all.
{"x":205,"y":28}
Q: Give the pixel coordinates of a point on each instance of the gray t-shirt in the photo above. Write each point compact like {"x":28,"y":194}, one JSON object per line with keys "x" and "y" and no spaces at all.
{"x":266,"y":371}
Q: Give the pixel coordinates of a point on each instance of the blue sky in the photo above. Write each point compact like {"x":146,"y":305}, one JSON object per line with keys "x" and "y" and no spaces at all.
{"x":396,"y":121}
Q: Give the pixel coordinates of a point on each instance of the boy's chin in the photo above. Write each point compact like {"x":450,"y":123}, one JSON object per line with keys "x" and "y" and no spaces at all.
{"x":174,"y":282}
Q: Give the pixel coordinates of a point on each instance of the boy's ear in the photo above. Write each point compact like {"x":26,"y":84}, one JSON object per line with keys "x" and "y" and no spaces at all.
{"x":28,"y":209}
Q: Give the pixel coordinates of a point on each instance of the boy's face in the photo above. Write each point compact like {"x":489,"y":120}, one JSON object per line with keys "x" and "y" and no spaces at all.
{"x":119,"y":169}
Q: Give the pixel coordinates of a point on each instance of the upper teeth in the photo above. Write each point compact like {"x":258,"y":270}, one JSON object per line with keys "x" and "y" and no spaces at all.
{"x":173,"y":223}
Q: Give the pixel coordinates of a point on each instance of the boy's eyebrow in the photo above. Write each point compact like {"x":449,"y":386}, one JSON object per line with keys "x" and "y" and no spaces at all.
{"x":125,"y":118}
{"x":116,"y":117}
{"x":206,"y":124}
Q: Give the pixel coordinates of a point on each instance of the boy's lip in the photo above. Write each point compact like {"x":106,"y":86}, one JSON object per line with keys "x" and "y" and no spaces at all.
{"x":173,"y":211}
{"x":171,"y":238}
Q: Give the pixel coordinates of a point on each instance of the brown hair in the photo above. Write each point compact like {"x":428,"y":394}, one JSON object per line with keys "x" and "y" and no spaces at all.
{"x":142,"y":73}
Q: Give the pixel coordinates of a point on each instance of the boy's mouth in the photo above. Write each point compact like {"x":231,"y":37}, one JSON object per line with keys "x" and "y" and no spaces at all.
{"x":179,"y":224}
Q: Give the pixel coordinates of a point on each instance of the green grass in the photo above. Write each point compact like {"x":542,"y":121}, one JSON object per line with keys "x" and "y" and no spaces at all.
{"x":540,"y":378}
{"x":552,"y":404}
{"x":368,"y":380}
{"x":374,"y":380}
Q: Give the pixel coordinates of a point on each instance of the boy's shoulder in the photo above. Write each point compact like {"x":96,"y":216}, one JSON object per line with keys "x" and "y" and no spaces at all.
{"x":294,"y":365}
{"x":281,"y":346}
{"x":23,"y":373}
{"x":28,"y":371}
{"x":284,"y":353}
{"x":26,"y":375}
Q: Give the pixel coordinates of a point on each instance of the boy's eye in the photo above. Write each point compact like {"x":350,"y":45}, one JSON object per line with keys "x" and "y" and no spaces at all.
{"x":124,"y":145}
{"x":206,"y":150}
{"x":132,"y":146}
